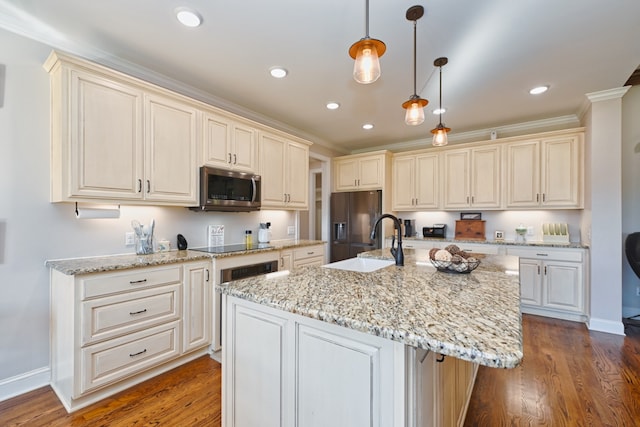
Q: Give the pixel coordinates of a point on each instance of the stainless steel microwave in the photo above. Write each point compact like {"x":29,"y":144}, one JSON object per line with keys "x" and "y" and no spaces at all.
{"x":223,"y":190}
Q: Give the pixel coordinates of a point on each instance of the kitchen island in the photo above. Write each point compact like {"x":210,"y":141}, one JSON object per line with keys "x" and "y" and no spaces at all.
{"x":320,"y":346}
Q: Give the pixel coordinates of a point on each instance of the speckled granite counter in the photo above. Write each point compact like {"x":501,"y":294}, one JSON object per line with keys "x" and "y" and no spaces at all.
{"x":574,"y":245}
{"x":73,"y":266}
{"x":474,"y":317}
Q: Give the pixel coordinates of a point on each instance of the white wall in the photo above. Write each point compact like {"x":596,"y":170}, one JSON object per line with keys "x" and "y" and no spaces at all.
{"x":630,"y":193}
{"x":33,"y":230}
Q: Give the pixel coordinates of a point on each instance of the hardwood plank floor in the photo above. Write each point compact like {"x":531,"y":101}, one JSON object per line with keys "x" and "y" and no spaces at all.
{"x":569,"y":377}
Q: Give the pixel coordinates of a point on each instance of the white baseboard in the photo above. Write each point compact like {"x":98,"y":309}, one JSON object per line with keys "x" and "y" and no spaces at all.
{"x":23,"y":383}
{"x":609,"y":326}
{"x":630,"y":311}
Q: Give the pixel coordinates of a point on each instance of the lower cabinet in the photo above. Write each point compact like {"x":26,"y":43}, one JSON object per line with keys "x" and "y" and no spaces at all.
{"x":553,"y":282}
{"x":308,"y":255}
{"x":114,"y":329}
{"x":281,"y":369}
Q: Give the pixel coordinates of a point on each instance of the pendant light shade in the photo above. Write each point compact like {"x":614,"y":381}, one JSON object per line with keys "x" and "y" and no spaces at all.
{"x":440,"y":131}
{"x":367,"y":53}
{"x":415,"y":105}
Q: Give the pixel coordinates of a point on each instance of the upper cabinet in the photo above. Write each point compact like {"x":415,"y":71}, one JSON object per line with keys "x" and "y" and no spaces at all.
{"x":116,"y":140}
{"x":361,"y":172}
{"x":472,"y":178}
{"x":415,"y":182}
{"x":546,"y":172}
{"x":284,"y":166}
{"x":229,"y":144}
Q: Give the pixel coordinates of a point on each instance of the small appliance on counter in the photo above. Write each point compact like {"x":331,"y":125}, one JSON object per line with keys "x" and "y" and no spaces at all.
{"x":409,"y":227}
{"x":470,"y":229}
{"x":264,"y":234}
{"x":437,"y":231}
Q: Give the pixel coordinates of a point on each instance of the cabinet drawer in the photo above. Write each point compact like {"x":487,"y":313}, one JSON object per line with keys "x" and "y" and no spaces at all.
{"x":308,"y":252}
{"x":115,"y":315}
{"x":318,"y":261}
{"x":112,"y":283}
{"x":477,"y":248}
{"x":547,"y":253}
{"x":113,"y":360}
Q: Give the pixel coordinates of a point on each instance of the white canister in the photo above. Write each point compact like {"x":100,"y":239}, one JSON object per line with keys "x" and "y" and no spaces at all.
{"x":264,"y":235}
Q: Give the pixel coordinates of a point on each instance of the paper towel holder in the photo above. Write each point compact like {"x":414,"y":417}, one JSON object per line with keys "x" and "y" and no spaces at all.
{"x":96,"y":213}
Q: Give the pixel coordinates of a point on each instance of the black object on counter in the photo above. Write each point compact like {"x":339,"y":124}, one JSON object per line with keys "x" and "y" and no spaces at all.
{"x":438,"y":231}
{"x":182,"y":242}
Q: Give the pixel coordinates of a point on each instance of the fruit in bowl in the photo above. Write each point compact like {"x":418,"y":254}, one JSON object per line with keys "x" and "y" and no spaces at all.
{"x":452,"y":259}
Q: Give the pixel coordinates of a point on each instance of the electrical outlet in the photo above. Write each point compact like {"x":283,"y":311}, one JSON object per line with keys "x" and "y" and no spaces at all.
{"x":128,"y":238}
{"x":291,"y":230}
{"x":529,"y":231}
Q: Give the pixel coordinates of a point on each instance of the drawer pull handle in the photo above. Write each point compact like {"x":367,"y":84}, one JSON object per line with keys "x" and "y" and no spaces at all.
{"x":542,"y":254}
{"x":138,"y":353}
{"x":310,"y":253}
{"x":133,"y":282}
{"x":133,"y":313}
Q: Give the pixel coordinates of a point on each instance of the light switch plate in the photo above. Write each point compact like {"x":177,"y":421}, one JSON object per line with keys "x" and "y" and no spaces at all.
{"x":129,"y":240}
{"x":291,"y":230}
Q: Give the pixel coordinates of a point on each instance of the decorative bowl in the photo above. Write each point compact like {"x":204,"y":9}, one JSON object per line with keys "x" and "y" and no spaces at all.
{"x":462,"y":267}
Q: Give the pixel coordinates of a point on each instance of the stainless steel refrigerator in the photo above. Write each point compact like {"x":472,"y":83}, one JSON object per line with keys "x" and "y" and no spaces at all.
{"x":352,"y":217}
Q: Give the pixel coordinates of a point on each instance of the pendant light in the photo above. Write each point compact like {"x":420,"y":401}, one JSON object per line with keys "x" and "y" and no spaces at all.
{"x":367,"y":52}
{"x":440,"y":132}
{"x":415,"y":105}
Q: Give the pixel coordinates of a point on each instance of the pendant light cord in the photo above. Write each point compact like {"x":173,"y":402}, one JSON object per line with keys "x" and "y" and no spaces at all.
{"x":441,"y":95}
{"x":415,"y":92}
{"x":367,"y":20}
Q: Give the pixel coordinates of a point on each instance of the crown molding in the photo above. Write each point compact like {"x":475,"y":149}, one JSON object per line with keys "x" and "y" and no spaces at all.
{"x":609,"y":94}
{"x":523,"y":128}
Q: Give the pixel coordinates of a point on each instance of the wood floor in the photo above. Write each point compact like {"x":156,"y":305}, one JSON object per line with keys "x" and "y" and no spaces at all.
{"x":569,"y":377}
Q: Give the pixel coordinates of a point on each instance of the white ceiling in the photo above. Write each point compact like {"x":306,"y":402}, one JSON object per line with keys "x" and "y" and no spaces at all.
{"x":497,"y":50}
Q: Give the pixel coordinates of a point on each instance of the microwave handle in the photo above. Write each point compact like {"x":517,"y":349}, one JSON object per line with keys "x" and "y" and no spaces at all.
{"x":253,"y":195}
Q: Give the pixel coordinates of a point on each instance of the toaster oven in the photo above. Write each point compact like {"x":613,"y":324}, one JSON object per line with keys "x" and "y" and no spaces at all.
{"x":438,"y":231}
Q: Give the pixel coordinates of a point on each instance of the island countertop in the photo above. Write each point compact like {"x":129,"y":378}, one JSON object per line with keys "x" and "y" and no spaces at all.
{"x":474,"y":317}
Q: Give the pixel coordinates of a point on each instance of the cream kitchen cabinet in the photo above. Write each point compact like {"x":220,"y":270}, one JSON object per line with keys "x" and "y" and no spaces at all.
{"x":229,"y":144}
{"x":116,"y":138}
{"x":552,"y":282}
{"x":308,"y":255}
{"x":284,"y":166}
{"x":361,"y":172}
{"x":415,"y":182}
{"x":111,"y":330}
{"x":170,"y":167}
{"x":545,"y":172}
{"x":286,"y":259}
{"x":472,"y":178}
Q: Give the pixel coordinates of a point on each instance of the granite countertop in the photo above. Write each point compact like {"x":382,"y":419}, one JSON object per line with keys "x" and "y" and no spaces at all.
{"x":73,"y":266}
{"x":536,"y":243}
{"x":474,"y":317}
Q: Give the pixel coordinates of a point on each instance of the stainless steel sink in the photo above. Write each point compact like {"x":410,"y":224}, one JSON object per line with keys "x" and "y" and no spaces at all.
{"x":360,"y":265}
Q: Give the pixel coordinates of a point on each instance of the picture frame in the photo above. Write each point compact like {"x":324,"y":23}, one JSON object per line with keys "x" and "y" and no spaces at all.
{"x":470,"y":215}
{"x":499,"y":235}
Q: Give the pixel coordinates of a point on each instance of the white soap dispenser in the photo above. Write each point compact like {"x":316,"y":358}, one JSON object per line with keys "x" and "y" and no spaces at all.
{"x":264,"y":234}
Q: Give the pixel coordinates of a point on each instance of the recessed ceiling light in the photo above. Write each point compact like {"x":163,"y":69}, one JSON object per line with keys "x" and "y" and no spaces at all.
{"x":538,"y":90}
{"x":367,"y":126}
{"x":278,"y":72}
{"x":188,"y":17}
{"x":333,"y":105}
{"x":439,"y":111}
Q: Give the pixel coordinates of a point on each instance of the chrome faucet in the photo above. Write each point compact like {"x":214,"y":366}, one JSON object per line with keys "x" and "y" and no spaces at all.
{"x":396,"y":252}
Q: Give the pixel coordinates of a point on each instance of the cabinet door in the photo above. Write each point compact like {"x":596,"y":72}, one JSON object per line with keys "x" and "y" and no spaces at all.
{"x":286,"y":260}
{"x":170,"y":145}
{"x":486,"y":177}
{"x":106,"y":150}
{"x":561,"y":172}
{"x":346,"y":174}
{"x":350,"y":388}
{"x":427,"y":181}
{"x":243,"y":148}
{"x":563,"y":285}
{"x":523,"y":174}
{"x":297,"y":173}
{"x":258,"y":379}
{"x":272,"y":169}
{"x":371,"y":173}
{"x":217,"y":135}
{"x":530,"y":282}
{"x":197,"y":306}
{"x":404,"y":174}
{"x":456,"y":179}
